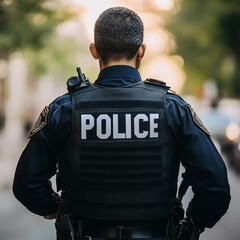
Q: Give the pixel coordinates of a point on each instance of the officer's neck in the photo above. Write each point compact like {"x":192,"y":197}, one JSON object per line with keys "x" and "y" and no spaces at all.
{"x":131,"y":63}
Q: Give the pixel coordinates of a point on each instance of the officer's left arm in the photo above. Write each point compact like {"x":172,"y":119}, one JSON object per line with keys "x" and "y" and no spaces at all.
{"x":37,"y":164}
{"x":205,"y":170}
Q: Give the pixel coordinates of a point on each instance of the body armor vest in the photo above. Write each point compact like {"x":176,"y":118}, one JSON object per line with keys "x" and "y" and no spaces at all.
{"x":119,"y":163}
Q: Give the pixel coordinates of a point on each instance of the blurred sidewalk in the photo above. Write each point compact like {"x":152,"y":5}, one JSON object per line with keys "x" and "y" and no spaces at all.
{"x":12,"y":143}
{"x":16,"y":222}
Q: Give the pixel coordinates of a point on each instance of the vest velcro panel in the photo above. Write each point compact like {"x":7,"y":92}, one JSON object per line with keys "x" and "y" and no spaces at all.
{"x":119,"y":159}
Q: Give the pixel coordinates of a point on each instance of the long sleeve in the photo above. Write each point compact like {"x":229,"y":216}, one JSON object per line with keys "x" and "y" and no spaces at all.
{"x":31,"y":182}
{"x":38,"y":162}
{"x":205,"y":170}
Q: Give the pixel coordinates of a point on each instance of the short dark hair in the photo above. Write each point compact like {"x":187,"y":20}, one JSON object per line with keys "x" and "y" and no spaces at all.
{"x":118,"y":33}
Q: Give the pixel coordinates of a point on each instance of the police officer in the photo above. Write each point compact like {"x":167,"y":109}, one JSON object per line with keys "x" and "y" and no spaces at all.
{"x":117,"y":145}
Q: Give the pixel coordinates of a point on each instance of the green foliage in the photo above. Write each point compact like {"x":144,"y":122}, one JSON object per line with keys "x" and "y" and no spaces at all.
{"x":207,"y":34}
{"x":28,"y":26}
{"x":23,"y":22}
{"x":57,"y":58}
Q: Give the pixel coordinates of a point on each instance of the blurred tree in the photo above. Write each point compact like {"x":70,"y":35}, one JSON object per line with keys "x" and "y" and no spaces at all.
{"x":25,"y":23}
{"x":207,"y":34}
{"x":29,"y":26}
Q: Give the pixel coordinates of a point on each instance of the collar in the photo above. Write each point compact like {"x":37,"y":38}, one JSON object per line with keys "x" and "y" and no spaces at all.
{"x":117,"y":76}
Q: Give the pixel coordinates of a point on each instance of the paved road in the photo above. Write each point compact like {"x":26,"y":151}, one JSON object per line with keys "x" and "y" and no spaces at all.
{"x":16,"y":223}
{"x":228,"y":228}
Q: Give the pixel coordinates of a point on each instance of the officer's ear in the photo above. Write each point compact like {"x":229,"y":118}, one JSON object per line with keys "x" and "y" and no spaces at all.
{"x":139,"y":55}
{"x":94,"y":51}
{"x":141,"y":52}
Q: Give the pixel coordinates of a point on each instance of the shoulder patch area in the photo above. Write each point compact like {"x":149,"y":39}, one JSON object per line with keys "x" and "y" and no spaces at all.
{"x":40,"y":123}
{"x":198,"y":121}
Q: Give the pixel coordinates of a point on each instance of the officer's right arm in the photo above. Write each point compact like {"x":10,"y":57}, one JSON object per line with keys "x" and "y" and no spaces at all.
{"x":38,"y":161}
{"x":205,"y":170}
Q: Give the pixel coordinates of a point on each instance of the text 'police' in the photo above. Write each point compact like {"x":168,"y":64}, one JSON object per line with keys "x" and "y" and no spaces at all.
{"x":119,"y":126}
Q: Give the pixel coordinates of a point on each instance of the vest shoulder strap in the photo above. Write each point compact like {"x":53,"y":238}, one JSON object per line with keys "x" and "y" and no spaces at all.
{"x":157,"y":82}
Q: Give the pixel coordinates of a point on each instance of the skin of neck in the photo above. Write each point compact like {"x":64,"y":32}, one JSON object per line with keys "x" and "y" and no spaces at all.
{"x":134,"y":62}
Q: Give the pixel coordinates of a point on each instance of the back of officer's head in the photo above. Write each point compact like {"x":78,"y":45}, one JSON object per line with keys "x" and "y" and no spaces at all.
{"x":118,"y":34}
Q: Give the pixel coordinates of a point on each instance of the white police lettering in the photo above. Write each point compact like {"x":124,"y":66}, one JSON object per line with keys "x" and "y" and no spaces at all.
{"x":87,"y":121}
{"x":153,"y":125}
{"x":128,"y":125}
{"x":119,"y":126}
{"x":137,"y":119}
{"x":103,"y":120}
{"x":116,"y":133}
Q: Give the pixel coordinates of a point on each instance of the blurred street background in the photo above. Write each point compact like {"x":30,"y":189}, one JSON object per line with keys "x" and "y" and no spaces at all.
{"x":192,"y":45}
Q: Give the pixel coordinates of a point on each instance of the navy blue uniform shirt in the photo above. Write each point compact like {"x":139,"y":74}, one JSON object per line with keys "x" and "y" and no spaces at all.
{"x":205,"y":169}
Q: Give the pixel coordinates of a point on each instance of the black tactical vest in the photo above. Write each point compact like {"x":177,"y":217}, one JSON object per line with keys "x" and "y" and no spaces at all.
{"x":119,"y":163}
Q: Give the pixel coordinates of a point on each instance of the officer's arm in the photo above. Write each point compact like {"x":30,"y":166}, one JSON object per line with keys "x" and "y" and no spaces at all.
{"x":31,"y":182}
{"x":205,"y":169}
{"x":37,"y":163}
